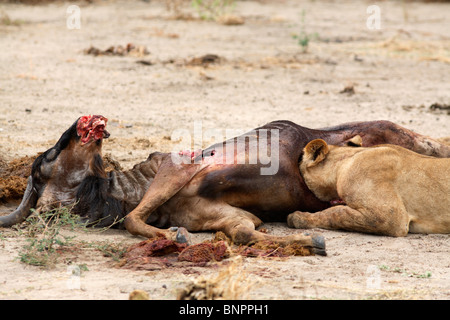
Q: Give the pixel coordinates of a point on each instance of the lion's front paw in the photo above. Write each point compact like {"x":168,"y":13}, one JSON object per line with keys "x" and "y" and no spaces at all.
{"x":299,"y":220}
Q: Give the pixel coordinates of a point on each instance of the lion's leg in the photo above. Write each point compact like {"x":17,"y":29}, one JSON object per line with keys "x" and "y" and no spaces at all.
{"x":393,"y":222}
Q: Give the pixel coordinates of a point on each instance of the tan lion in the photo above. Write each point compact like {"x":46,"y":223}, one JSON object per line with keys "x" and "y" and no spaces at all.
{"x":385,"y":190}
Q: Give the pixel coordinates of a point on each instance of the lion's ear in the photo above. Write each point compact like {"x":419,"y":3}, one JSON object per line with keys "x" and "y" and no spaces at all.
{"x":314,"y":152}
{"x":356,"y":141}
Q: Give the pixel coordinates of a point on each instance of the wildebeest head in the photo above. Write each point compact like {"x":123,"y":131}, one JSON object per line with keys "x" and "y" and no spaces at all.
{"x":57,"y":173}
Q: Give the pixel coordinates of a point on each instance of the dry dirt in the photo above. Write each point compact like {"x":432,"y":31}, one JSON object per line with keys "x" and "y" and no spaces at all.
{"x":395,"y":73}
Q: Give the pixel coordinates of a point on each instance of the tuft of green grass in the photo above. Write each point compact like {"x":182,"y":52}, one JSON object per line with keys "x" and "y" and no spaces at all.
{"x":213,"y":9}
{"x":405,"y":272}
{"x":45,"y":240}
{"x":44,"y":237}
{"x":111,"y":250}
{"x":7,"y":21}
{"x":304,"y":38}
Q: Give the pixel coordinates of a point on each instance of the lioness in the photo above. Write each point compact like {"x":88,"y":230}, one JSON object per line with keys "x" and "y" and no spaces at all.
{"x":385,"y":190}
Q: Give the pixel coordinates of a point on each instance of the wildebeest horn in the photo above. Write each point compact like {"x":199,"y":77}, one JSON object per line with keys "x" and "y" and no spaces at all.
{"x":29,"y":200}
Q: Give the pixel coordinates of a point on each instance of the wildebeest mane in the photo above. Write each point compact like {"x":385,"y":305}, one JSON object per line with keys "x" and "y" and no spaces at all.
{"x":93,"y":201}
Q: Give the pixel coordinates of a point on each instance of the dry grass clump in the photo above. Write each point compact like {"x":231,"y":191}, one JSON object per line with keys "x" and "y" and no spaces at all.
{"x":424,"y":50}
{"x":13,"y":177}
{"x":127,"y":50}
{"x":232,"y":283}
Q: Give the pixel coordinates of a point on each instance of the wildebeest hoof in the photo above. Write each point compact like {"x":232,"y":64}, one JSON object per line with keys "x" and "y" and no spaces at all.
{"x":183,"y":236}
{"x":318,"y":242}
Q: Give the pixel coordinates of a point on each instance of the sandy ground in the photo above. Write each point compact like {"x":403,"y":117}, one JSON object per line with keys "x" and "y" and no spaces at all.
{"x":397,"y":72}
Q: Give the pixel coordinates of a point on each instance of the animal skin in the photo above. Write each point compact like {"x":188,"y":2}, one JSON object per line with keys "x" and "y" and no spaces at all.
{"x":385,"y":190}
{"x":160,"y":196}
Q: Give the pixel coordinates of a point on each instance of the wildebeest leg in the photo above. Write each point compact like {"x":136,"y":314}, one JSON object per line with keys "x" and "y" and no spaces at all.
{"x":386,"y":132}
{"x":240,"y":226}
{"x":170,"y":178}
{"x":346,"y":218}
{"x":395,"y":134}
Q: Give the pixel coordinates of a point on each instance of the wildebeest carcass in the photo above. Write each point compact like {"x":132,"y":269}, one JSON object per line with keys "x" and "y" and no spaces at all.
{"x":207,"y":192}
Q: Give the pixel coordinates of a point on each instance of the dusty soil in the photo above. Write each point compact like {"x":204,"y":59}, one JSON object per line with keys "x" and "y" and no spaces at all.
{"x":395,"y":73}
